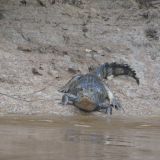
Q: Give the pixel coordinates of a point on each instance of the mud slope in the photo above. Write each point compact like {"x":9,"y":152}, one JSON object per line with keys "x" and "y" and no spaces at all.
{"x":43,"y":45}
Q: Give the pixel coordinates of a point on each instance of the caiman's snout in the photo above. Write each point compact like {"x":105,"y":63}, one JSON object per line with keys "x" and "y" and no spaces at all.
{"x":85,"y":103}
{"x":86,"y":96}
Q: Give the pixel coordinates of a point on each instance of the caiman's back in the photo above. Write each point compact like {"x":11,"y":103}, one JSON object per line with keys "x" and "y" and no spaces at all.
{"x":90,"y":82}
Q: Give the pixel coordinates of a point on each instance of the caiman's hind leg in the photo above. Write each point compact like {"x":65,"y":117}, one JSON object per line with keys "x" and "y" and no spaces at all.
{"x":107,"y":106}
{"x":112,"y":100}
{"x":67,"y":86}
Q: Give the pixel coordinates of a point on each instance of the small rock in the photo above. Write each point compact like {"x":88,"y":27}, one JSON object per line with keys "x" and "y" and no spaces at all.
{"x":108,"y":49}
{"x":41,"y":50}
{"x":48,"y":22}
{"x":40,"y":67}
{"x":2,"y":80}
{"x":101,"y":52}
{"x":121,"y":51}
{"x":72,"y":70}
{"x":94,"y":48}
{"x":88,"y":50}
{"x":57,"y":76}
{"x":106,"y":19}
{"x":152,"y":33}
{"x":64,"y":28}
{"x":65,"y":53}
{"x":89,"y":55}
{"x":24,"y":48}
{"x":49,"y":72}
{"x":110,"y":77}
{"x":95,"y":55}
{"x":153,"y":58}
{"x":23,"y":2}
{"x":52,"y":1}
{"x":84,"y":29}
{"x":35,"y":72}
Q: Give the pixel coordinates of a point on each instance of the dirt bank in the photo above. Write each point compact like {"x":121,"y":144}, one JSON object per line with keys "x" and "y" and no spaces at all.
{"x":43,"y":46}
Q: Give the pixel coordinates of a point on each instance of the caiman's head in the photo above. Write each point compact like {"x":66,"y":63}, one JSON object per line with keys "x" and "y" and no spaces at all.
{"x":86,"y":99}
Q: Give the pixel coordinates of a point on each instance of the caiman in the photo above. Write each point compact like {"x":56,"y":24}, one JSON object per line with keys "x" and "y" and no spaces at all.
{"x":88,"y":92}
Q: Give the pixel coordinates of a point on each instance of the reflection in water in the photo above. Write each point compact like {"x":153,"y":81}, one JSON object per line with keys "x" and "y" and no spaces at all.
{"x":82,"y":138}
{"x":94,"y":138}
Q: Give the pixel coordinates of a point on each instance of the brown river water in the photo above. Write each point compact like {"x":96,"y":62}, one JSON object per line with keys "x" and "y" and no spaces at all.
{"x":49,"y":137}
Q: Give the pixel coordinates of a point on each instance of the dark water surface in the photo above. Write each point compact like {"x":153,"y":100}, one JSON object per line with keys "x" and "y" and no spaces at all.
{"x":79,"y":137}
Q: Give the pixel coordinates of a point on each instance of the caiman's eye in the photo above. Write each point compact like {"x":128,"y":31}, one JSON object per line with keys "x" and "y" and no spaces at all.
{"x":90,"y":90}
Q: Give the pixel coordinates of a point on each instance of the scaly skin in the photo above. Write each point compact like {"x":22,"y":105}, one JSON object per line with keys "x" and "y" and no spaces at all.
{"x":88,"y":92}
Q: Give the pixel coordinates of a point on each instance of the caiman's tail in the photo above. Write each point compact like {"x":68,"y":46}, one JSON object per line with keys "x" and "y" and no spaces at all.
{"x":105,"y":70}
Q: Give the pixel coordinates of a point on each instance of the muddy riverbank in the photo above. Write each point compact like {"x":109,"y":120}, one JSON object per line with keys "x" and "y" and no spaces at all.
{"x":43,"y":46}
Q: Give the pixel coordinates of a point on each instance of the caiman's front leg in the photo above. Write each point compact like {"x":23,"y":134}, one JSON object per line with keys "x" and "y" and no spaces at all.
{"x":67,"y":86}
{"x":112,"y":100}
{"x":107,"y":106}
{"x":67,"y":97}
